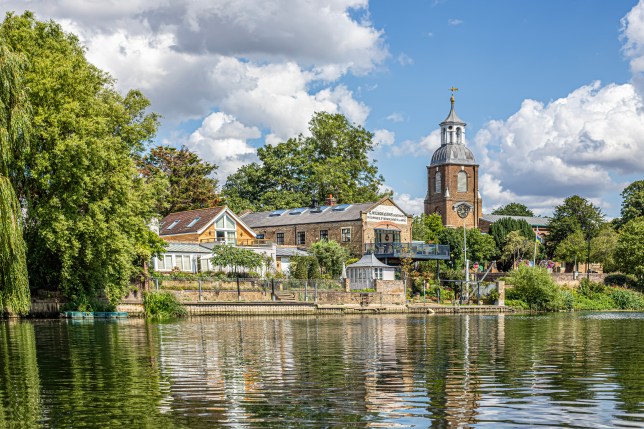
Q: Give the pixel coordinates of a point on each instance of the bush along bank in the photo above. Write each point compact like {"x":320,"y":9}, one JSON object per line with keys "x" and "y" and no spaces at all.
{"x":162,"y":305}
{"x":534,"y":289}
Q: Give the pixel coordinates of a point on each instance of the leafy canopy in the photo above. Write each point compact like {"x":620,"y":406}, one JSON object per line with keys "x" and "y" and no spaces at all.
{"x":334,"y":159}
{"x":226,"y":255}
{"x":480,"y":247}
{"x":330,"y":255}
{"x":632,"y":201}
{"x":514,"y":209}
{"x":629,"y":252}
{"x":87,"y":208}
{"x":190,"y":184}
{"x":575,"y":214}
{"x":426,"y":227}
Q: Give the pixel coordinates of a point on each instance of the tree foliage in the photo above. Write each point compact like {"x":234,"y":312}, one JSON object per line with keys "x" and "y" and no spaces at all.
{"x":427,"y":227}
{"x":501,"y":228}
{"x":226,"y":255}
{"x":330,"y":255}
{"x":602,"y":248}
{"x":305,"y":267}
{"x":514,"y":209}
{"x":480,"y":247}
{"x":535,"y":286}
{"x":632,"y":202}
{"x":629,"y":252}
{"x":14,"y":140}
{"x":516,"y":246}
{"x":86,"y":206}
{"x":190,"y":184}
{"x":332,"y":160}
{"x":573,"y":248}
{"x":575,"y":214}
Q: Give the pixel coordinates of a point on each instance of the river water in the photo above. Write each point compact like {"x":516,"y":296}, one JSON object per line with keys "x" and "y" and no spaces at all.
{"x":394,"y":371}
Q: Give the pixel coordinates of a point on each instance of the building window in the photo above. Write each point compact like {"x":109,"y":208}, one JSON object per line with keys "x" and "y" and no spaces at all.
{"x":437,"y":182}
{"x":324,"y":234}
{"x":301,"y":237}
{"x":462,"y":181}
{"x":459,"y":136}
{"x":165,"y":263}
{"x":377,"y":273}
{"x":279,"y":237}
{"x":221,"y":236}
{"x":231,"y":237}
{"x":346,"y":235}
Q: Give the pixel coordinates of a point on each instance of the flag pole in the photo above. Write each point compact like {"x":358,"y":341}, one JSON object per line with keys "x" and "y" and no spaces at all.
{"x":536,"y":239}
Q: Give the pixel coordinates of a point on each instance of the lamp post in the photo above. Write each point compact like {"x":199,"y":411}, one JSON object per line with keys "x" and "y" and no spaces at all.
{"x":463,"y":209}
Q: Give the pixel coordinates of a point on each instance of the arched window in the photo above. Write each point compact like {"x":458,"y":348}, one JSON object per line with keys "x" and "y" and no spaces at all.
{"x":462,"y":181}
{"x":458,"y":135}
{"x":438,"y":212}
{"x":437,"y":183}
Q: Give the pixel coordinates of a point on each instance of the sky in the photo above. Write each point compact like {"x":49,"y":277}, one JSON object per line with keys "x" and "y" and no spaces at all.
{"x":551,"y":90}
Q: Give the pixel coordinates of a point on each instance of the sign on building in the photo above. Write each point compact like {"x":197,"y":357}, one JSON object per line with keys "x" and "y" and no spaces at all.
{"x":387,"y":214}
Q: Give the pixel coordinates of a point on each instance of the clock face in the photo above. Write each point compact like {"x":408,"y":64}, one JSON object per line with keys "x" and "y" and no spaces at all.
{"x":462,"y":211}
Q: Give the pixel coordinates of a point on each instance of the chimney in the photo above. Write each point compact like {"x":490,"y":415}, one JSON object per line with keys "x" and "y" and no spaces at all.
{"x":330,"y":201}
{"x":314,"y":203}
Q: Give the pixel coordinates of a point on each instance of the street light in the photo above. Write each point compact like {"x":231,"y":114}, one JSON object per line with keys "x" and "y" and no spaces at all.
{"x":463,"y":209}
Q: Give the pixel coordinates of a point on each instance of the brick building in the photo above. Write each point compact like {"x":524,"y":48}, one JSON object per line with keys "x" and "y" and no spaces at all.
{"x":352,"y":225}
{"x":453,"y":176}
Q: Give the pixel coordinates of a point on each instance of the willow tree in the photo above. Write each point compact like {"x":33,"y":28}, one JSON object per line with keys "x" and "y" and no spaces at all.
{"x":14,"y":126}
{"x":86,"y":206}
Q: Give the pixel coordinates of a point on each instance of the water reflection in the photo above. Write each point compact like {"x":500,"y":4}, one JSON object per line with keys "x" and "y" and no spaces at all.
{"x":567,"y":370}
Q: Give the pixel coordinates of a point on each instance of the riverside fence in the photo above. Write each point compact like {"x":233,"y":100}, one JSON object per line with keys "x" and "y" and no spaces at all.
{"x":241,"y":289}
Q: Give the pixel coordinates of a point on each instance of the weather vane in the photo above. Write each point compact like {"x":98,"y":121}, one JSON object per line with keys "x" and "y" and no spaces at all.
{"x":453,"y":88}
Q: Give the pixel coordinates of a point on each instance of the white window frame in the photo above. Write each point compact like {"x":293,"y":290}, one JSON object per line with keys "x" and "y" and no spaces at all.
{"x":346,"y":235}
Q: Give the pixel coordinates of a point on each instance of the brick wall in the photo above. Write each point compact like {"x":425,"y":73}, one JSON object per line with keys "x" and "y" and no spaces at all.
{"x":437,"y":202}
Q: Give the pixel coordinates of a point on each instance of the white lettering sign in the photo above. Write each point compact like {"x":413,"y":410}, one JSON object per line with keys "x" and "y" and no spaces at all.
{"x":387,"y":214}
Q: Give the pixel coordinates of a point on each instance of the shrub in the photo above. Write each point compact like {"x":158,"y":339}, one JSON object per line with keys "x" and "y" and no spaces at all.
{"x":162,"y":305}
{"x":595,"y":302}
{"x":627,"y":299}
{"x":517,"y":303}
{"x":535,"y":286}
{"x":619,"y":280}
{"x":590,"y":289}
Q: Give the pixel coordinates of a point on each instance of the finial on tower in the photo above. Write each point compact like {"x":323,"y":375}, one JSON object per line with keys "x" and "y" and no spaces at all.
{"x":452,"y":97}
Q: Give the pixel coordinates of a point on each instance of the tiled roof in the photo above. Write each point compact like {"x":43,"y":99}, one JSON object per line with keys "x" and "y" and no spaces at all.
{"x":532,"y":221}
{"x":290,"y":251}
{"x":264,"y":219}
{"x":369,"y":260}
{"x":183,"y":219}
{"x":177,"y":247}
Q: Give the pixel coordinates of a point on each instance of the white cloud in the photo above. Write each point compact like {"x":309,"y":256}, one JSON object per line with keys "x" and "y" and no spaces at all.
{"x":222,"y":139}
{"x":396,"y":117}
{"x":546,"y":152}
{"x":454,"y":22}
{"x":404,"y":60}
{"x":424,"y":147}
{"x":384,"y":137}
{"x":245,"y":57}
{"x":411,"y":205}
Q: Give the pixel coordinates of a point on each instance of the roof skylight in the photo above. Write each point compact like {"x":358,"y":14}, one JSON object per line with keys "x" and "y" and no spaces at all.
{"x":341,"y":207}
{"x":195,"y":220}
{"x":278,"y":212}
{"x":297,"y":211}
{"x":173,"y":224}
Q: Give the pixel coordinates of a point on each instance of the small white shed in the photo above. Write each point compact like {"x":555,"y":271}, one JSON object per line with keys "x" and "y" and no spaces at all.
{"x":362,"y":274}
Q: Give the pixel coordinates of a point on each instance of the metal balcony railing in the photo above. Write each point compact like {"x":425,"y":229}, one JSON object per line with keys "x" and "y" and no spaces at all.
{"x":408,"y":250}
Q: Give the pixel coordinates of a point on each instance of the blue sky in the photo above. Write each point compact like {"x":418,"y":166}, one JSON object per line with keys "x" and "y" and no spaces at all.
{"x":551,"y":90}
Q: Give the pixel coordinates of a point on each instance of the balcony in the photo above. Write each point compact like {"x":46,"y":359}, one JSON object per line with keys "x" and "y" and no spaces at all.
{"x":416,"y":251}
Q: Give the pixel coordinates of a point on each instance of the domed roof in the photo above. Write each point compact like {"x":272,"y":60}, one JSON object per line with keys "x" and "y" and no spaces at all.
{"x":453,"y":154}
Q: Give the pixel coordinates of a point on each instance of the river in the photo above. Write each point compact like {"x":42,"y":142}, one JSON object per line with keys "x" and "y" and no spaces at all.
{"x":389,"y":371}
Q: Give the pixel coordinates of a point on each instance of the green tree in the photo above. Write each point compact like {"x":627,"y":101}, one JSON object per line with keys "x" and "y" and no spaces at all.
{"x":632,"y":202}
{"x":573,"y":248}
{"x":629,"y":252}
{"x":602,"y":248}
{"x":480,"y":247}
{"x":426,"y":227}
{"x":575,"y":214}
{"x":87,"y":208}
{"x":15,"y":126}
{"x":514,"y":209}
{"x":226,"y":255}
{"x":330,"y":255}
{"x":305,"y":267}
{"x":516,"y":247}
{"x":535,"y":286}
{"x":190,"y":182}
{"x":501,"y":228}
{"x":334,"y":159}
